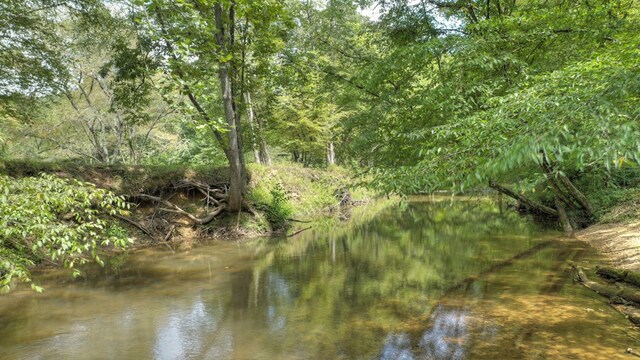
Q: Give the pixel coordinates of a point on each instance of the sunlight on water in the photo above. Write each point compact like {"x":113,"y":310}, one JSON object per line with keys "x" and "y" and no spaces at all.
{"x":424,"y":280}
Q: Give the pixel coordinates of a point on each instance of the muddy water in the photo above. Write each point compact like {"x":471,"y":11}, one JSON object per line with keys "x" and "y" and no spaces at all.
{"x":424,"y":280}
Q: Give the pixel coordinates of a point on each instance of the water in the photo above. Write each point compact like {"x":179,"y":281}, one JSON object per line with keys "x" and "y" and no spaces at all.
{"x":423,"y":280}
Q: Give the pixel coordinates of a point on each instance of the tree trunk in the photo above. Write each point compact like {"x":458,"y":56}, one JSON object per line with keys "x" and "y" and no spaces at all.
{"x":265,"y":158}
{"x":572,"y":191}
{"x":252,"y":128}
{"x":576,"y":194}
{"x":331,"y":155}
{"x":530,"y":203}
{"x":232,"y":150}
{"x":258,"y":145}
{"x":564,"y":219}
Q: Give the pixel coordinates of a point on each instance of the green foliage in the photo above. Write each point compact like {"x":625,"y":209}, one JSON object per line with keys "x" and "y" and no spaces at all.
{"x":609,"y":190}
{"x":310,"y":191}
{"x":484,"y":98}
{"x":47,"y":219}
{"x":279,"y":210}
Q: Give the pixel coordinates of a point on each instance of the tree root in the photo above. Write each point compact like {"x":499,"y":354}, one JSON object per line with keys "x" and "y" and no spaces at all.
{"x":136,"y":224}
{"x":176,"y":209}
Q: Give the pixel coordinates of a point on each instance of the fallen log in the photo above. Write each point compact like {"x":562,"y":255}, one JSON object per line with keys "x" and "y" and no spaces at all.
{"x":617,"y":294}
{"x":627,"y":276}
{"x":530,"y":203}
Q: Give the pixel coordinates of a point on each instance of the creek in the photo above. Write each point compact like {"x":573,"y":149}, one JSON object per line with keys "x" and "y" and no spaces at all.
{"x":425,"y":279}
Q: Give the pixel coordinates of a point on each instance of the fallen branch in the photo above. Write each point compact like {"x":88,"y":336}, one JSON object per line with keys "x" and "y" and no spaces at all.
{"x":299,"y":221}
{"x":176,"y":209}
{"x":136,"y":224}
{"x":168,"y":236}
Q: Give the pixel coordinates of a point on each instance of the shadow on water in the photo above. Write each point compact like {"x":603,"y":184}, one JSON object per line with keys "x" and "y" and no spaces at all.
{"x":423,"y":280}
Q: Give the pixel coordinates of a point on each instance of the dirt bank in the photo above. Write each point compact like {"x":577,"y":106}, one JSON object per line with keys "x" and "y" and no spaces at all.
{"x":619,"y":242}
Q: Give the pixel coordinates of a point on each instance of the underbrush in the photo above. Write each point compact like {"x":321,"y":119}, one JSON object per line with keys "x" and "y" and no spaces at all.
{"x":615,"y":196}
{"x":301,"y":192}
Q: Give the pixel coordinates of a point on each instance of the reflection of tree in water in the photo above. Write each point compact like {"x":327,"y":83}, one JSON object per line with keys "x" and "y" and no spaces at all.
{"x":322,"y":290}
{"x":397,"y":347}
{"x":194,"y":330}
{"x":279,"y":297}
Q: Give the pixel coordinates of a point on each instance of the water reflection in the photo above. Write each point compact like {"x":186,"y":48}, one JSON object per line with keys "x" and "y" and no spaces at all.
{"x":416,"y":282}
{"x":397,"y":347}
{"x":448,"y":335}
{"x":183,"y":333}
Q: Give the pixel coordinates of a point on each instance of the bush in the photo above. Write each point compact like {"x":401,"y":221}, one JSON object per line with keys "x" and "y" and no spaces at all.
{"x":47,"y":218}
{"x":279,"y":210}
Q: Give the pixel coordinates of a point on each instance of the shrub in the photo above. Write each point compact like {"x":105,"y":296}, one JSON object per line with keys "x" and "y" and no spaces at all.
{"x":49,"y":219}
{"x":279,"y":210}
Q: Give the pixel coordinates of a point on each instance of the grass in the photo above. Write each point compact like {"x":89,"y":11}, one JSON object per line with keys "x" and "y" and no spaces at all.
{"x":309,"y":191}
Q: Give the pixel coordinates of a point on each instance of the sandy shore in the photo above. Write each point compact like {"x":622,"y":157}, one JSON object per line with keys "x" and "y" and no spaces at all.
{"x":618,"y":242}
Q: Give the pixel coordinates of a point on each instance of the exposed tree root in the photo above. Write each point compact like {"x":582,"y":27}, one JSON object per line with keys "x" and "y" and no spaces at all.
{"x":176,"y":209}
{"x":136,"y":224}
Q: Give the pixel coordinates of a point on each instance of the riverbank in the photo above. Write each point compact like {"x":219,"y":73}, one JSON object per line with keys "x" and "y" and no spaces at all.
{"x":618,"y":242}
{"x":281,"y":199}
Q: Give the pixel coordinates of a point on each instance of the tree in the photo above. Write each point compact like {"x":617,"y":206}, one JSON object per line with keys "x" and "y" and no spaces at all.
{"x":529,"y":93}
{"x":195,"y":36}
